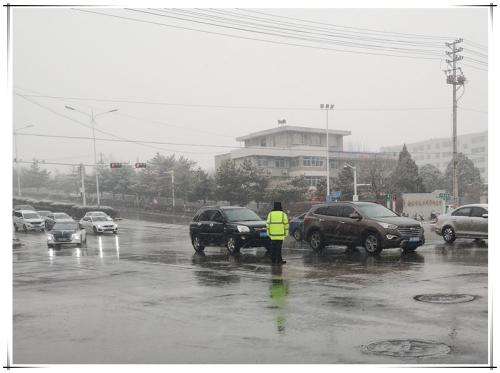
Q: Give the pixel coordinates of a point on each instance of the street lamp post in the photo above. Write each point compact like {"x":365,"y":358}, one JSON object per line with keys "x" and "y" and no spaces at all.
{"x":327,"y":107}
{"x":17,"y":158}
{"x":355,"y":195}
{"x":92,"y":117}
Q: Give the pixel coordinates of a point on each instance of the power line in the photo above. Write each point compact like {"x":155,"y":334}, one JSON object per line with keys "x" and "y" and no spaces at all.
{"x":255,"y":39}
{"x":292,"y":32}
{"x":316,"y":40}
{"x":97,"y":99}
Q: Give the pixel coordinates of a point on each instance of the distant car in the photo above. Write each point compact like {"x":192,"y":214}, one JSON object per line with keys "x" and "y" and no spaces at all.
{"x":99,"y":224}
{"x":28,"y":220}
{"x":66,"y":233}
{"x":43,"y":214}
{"x":24,"y":207}
{"x":231,"y":226}
{"x":468,"y":221}
{"x":98,"y":213}
{"x":366,"y":224}
{"x":297,"y":227}
{"x":57,"y":217}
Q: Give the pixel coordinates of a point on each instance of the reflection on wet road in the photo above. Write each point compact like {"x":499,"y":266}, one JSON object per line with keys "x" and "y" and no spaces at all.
{"x":144,"y":296}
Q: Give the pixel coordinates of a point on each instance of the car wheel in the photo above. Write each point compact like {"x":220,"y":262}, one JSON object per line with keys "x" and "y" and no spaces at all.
{"x":232,"y":245}
{"x":50,"y":246}
{"x":25,"y":228}
{"x":197,"y":244}
{"x":372,"y":243}
{"x":115,"y":231}
{"x":448,"y":234}
{"x":316,"y":241}
{"x":15,"y":227}
{"x":95,"y":230}
{"x":297,"y":234}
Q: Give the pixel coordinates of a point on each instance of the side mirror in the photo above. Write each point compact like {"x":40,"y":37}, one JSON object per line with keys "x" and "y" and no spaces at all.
{"x":355,"y":215}
{"x":485,"y":216}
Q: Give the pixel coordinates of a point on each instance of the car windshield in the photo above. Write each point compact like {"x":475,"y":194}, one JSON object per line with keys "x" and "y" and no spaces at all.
{"x":241,"y":214}
{"x":62,"y":215}
{"x":64,"y":227}
{"x":97,"y":213}
{"x":375,"y":211}
{"x":31,"y":215}
{"x":99,"y":218}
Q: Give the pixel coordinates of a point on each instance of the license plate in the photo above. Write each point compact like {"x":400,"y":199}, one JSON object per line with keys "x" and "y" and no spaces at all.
{"x":414,"y":239}
{"x":263,"y":234}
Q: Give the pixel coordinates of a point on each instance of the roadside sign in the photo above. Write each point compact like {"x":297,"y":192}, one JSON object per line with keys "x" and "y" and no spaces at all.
{"x":444,"y":196}
{"x":355,"y":198}
{"x":336,"y":194}
{"x":115,"y":165}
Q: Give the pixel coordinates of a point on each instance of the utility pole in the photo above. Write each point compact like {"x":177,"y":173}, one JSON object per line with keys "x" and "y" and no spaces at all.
{"x":327,"y":107}
{"x":82,"y":187}
{"x":457,"y":81}
{"x":16,"y":155}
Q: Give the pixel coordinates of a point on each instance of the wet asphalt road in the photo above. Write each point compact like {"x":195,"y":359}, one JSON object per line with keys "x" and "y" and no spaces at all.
{"x":145,"y":297}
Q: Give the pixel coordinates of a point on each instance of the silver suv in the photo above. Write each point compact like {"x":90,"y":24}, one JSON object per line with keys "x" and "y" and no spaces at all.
{"x":468,"y":221}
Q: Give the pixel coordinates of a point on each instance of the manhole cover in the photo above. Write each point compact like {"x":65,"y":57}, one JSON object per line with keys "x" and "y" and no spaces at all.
{"x":407,"y":348}
{"x":444,"y":298}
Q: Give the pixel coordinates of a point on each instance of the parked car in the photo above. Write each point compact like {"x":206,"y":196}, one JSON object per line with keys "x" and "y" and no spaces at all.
{"x":57,"y":217}
{"x":24,"y":207}
{"x":366,"y":224}
{"x":296,"y":227}
{"x":231,"y":226}
{"x":468,"y":221}
{"x":43,"y":214}
{"x":28,"y":220}
{"x":97,"y":213}
{"x":99,"y":224}
{"x":66,"y":233}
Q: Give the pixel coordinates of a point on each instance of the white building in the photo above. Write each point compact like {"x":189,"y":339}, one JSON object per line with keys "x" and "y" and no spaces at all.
{"x":290,"y":151}
{"x":439,"y":152}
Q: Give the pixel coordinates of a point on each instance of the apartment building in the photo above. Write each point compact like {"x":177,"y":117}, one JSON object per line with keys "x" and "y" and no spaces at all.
{"x":291,"y":151}
{"x":439,"y":152}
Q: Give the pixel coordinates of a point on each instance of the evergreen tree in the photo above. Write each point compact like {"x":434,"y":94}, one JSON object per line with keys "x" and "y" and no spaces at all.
{"x":405,"y":178}
{"x":432,"y":178}
{"x":469,"y":178}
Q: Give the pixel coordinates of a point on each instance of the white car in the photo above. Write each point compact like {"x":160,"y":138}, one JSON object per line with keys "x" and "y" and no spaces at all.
{"x":28,"y":220}
{"x":99,"y":224}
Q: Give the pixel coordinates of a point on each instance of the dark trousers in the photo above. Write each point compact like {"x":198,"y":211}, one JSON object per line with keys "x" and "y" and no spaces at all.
{"x":276,"y":251}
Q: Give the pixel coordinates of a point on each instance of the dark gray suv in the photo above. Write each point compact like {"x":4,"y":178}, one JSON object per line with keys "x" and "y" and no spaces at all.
{"x":366,"y":224}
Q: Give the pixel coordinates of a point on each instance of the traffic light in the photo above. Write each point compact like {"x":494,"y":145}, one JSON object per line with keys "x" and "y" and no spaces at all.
{"x":140,"y":165}
{"x":115,"y":165}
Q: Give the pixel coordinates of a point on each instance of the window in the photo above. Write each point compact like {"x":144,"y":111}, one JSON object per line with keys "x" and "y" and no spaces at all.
{"x":294,"y":162}
{"x":297,"y":139}
{"x":477,"y":150}
{"x":438,"y":145}
{"x":313,"y":180}
{"x":217,"y":217}
{"x":465,"y":146}
{"x":321,"y":210}
{"x":312,"y":162}
{"x":335,"y":210}
{"x":279,"y":163}
{"x":315,"y":140}
{"x":262,"y":162}
{"x":438,"y":155}
{"x":206,"y":215}
{"x":464,"y":211}
{"x":478,"y":212}
{"x":263,"y":142}
{"x":347,"y":210}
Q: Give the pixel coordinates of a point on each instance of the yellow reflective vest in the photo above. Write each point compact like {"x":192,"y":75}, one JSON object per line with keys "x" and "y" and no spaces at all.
{"x":277,"y":225}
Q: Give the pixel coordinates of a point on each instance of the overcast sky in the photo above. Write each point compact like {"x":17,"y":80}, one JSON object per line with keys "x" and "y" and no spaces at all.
{"x":71,"y":54}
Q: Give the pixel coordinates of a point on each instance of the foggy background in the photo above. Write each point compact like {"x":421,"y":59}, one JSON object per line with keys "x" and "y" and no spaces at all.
{"x":87,"y":60}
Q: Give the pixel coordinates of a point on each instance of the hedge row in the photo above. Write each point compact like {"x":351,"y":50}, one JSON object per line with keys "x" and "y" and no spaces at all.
{"x":74,"y":210}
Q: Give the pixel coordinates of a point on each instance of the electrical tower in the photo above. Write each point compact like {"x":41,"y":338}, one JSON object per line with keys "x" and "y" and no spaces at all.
{"x":456,"y":78}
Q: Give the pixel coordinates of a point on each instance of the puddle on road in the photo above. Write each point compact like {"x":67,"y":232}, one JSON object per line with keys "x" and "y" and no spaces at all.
{"x":444,"y":298}
{"x":407,"y":348}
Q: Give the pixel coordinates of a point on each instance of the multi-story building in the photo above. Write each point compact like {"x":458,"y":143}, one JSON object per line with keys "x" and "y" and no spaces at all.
{"x":290,"y":151}
{"x":439,"y":152}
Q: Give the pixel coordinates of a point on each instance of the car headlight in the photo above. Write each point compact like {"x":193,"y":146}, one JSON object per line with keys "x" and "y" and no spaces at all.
{"x":75,"y":236}
{"x":243,"y":228}
{"x":387,"y":225}
{"x":98,"y":226}
{"x":50,"y":237}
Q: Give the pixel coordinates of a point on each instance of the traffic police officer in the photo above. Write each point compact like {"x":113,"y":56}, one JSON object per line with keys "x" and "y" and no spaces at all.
{"x":277,"y":230}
